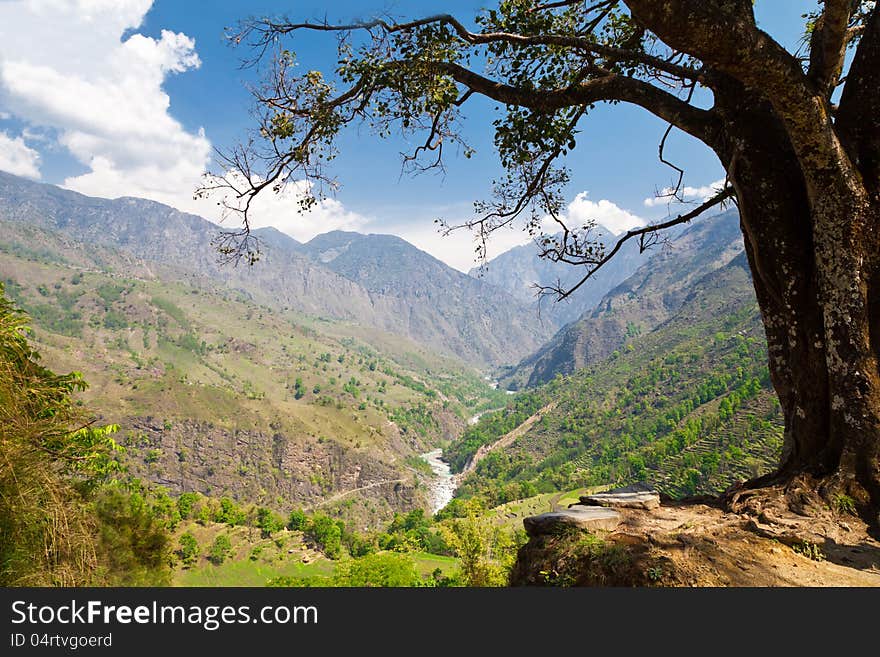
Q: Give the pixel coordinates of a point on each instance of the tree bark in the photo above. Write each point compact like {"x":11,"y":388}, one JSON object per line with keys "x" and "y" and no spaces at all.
{"x":818,"y":298}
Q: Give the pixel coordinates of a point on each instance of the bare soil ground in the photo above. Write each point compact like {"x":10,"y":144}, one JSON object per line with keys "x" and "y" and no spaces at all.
{"x":705,"y":546}
{"x":702,"y":544}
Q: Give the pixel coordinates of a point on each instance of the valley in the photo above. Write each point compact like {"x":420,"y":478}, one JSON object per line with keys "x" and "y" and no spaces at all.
{"x":219,"y":395}
{"x":226,"y":387}
{"x":536,"y":293}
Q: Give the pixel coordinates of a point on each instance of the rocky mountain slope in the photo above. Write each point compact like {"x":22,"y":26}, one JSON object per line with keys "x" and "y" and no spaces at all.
{"x":218,"y":394}
{"x":518,"y":271}
{"x":415,"y":294}
{"x":653,"y":294}
{"x":480,"y":323}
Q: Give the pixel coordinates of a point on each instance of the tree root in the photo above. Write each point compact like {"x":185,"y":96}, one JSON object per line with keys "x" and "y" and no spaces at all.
{"x":799,"y":509}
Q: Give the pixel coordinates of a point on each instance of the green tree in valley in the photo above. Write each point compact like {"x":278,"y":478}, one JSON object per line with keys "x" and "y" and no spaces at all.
{"x":486,"y":552}
{"x":382,"y":569}
{"x":297,"y":520}
{"x":186,"y":504}
{"x":327,"y":534}
{"x":268,"y":523}
{"x":220,"y":549}
{"x":797,"y":133}
{"x":188,"y":550}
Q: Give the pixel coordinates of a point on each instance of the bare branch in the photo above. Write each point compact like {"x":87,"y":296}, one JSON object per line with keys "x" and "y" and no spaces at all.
{"x":661,"y":154}
{"x":645,"y":236}
{"x":571,"y":3}
{"x":269,"y":28}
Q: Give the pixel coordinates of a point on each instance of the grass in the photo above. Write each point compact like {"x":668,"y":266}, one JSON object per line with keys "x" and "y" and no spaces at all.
{"x":244,"y":572}
{"x":428,"y":563}
{"x":251,"y":573}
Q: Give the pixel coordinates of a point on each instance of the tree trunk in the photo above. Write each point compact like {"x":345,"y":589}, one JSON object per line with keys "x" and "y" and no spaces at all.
{"x":845,"y":252}
{"x":819,"y":302}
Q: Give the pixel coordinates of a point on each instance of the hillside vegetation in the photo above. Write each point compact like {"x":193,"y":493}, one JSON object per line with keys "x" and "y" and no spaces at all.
{"x":65,"y":520}
{"x":217,"y":394}
{"x":687,"y":408}
{"x":411,"y":294}
{"x":652,"y":295}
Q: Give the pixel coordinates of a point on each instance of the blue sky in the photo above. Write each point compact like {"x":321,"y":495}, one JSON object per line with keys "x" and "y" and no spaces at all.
{"x":129,"y":97}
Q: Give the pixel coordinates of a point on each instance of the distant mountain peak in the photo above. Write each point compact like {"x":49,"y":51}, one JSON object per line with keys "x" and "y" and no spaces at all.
{"x":378,"y":281}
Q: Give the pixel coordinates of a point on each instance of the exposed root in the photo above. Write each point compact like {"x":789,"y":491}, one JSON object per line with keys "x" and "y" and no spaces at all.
{"x":801,"y":508}
{"x":691,"y":544}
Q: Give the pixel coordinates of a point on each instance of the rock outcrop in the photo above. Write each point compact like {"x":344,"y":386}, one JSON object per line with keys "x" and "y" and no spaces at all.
{"x":576,"y":516}
{"x":626,"y":500}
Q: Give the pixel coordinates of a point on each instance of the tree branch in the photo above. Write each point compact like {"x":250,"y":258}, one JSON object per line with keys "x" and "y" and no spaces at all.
{"x":723,"y":195}
{"x":697,"y":122}
{"x":828,"y":45}
{"x":724,"y":35}
{"x":482,"y":38}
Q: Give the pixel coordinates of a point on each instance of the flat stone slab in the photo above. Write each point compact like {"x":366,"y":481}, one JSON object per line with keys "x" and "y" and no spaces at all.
{"x":634,"y":500}
{"x":580,"y":517}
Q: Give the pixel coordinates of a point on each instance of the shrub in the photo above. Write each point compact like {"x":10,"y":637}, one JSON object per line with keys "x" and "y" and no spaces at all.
{"x":188,"y":550}
{"x":221,"y":548}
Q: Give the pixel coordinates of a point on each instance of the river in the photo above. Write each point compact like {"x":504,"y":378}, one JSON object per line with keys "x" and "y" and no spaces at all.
{"x":443,"y":485}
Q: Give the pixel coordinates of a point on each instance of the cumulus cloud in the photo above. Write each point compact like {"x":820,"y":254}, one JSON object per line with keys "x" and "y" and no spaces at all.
{"x":605,"y":213}
{"x":65,"y":66}
{"x":282,"y":209}
{"x":18,"y":158}
{"x":687,"y":193}
{"x":457,"y":249}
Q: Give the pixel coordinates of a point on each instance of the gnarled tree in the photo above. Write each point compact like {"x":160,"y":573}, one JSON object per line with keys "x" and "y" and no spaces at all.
{"x":797,"y":133}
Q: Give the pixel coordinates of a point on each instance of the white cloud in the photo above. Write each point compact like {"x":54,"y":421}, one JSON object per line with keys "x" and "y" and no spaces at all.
{"x":457,"y":248}
{"x":65,"y":67}
{"x":17,"y":158}
{"x":5,"y":116}
{"x":605,"y":213}
{"x":687,"y":193}
{"x":281,"y":210}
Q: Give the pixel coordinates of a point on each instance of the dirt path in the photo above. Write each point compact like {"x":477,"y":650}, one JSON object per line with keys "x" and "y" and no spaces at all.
{"x":504,"y":441}
{"x":346,"y":493}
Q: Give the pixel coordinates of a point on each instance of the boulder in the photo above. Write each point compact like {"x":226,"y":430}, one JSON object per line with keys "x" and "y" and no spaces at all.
{"x":580,"y":517}
{"x":623,"y":500}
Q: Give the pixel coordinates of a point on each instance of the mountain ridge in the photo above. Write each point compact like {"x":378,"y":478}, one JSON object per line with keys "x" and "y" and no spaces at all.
{"x":484,"y":325}
{"x":519,"y":269}
{"x":639,"y":304}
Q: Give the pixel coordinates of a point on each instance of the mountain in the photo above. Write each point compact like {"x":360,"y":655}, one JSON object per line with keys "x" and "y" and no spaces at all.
{"x":157,"y":233}
{"x":686,"y":407}
{"x":519,"y":269}
{"x":217,"y":394}
{"x":638,"y":305}
{"x":420,"y":296}
{"x":483,"y":325}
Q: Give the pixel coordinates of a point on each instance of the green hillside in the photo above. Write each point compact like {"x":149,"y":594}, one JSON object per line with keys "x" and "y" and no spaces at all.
{"x":217,"y":394}
{"x":687,"y":408}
